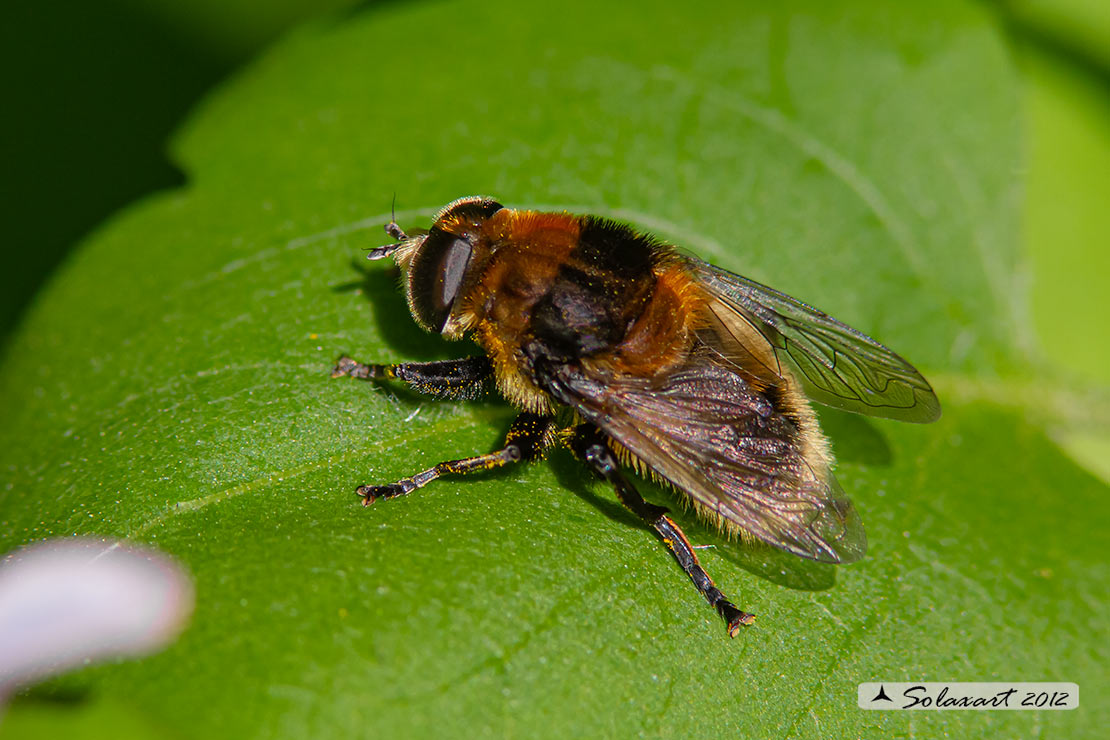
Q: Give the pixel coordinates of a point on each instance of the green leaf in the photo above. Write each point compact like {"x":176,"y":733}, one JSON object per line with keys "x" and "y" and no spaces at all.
{"x":172,"y":387}
{"x":1066,"y":220}
{"x":1078,"y":29}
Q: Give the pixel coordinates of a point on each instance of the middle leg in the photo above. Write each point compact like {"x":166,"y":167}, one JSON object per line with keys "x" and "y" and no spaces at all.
{"x":528,"y":437}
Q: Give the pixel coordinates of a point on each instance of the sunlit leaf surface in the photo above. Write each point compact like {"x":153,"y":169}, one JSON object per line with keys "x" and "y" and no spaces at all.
{"x":171,"y":386}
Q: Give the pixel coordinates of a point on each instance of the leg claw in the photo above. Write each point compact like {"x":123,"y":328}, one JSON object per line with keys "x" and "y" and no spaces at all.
{"x":736,"y":619}
{"x":344,"y":366}
{"x":370,"y":494}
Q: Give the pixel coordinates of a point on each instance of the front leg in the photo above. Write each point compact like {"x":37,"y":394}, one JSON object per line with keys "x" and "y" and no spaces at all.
{"x":458,"y":379}
{"x":527,"y":439}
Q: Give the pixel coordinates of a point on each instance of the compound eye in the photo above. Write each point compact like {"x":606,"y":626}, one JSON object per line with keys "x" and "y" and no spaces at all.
{"x":436,"y":276}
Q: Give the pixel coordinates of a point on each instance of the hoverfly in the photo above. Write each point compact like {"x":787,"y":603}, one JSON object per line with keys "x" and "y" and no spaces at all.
{"x":612,"y":343}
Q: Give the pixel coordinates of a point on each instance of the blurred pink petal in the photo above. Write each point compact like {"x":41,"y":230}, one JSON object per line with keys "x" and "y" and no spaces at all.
{"x":65,"y":603}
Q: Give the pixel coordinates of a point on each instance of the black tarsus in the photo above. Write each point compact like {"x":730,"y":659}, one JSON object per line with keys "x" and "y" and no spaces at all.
{"x":527,"y":438}
{"x":459,"y":379}
{"x":592,"y":445}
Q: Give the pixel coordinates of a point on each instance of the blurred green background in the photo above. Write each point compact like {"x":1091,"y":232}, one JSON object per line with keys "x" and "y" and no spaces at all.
{"x":94,"y":91}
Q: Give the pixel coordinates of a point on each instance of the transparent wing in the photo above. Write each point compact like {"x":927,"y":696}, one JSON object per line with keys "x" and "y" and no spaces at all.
{"x":836,"y":365}
{"x":703,"y":430}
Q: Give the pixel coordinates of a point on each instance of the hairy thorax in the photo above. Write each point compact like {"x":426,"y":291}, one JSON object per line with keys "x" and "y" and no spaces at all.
{"x":559,"y":290}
